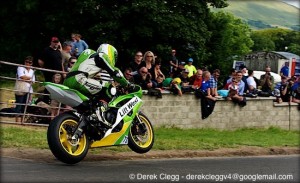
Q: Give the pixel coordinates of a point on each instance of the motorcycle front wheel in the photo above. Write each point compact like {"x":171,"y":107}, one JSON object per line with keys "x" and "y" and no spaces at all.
{"x":141,"y":135}
{"x":61,"y":144}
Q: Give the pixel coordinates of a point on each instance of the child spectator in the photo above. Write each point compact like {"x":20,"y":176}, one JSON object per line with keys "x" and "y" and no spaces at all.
{"x":173,"y":85}
{"x":190,"y":67}
{"x":57,"y":78}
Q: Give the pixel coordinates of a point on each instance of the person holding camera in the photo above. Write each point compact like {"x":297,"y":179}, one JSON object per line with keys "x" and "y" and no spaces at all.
{"x":267,"y":81}
{"x":144,"y":79}
{"x":283,"y":90}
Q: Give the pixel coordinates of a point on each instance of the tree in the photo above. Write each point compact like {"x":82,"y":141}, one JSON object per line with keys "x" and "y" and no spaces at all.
{"x":130,"y":25}
{"x":276,"y":39}
{"x":230,"y":39}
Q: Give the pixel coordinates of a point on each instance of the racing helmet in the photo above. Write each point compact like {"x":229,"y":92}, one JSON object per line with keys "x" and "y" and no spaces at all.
{"x":109,"y":53}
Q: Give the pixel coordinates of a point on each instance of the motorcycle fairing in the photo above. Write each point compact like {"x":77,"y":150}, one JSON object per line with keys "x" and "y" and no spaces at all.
{"x":64,"y":94}
{"x":121,"y":137}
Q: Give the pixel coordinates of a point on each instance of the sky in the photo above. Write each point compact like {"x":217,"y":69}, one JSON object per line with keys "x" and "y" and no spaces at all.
{"x":293,"y":2}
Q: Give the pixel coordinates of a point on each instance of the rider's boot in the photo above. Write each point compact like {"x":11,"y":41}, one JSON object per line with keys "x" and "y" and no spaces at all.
{"x":100,"y":112}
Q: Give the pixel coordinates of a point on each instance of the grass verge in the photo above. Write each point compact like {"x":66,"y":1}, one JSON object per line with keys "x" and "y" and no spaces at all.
{"x":168,"y":138}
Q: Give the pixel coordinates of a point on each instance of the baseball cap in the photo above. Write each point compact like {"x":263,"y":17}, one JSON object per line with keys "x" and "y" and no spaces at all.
{"x":186,"y":70}
{"x":54,"y":39}
{"x":178,"y":80}
{"x":191,"y":60}
{"x":182,"y":63}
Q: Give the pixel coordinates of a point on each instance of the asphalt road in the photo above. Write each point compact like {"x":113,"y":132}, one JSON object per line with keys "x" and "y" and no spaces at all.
{"x":212,"y":169}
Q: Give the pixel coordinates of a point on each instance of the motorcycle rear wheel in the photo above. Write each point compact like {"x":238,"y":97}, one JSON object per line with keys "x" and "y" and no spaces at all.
{"x":141,"y":142}
{"x":60,"y":143}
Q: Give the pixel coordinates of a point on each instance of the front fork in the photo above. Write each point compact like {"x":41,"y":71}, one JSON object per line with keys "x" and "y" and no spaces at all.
{"x":140,"y":127}
{"x":79,"y":130}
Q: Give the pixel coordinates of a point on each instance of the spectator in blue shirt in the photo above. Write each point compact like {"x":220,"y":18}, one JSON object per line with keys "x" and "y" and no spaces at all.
{"x":284,"y":71}
{"x":205,"y":86}
{"x":79,"y":45}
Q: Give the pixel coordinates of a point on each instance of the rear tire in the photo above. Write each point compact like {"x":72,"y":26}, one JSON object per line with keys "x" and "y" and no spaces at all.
{"x":141,"y":142}
{"x":60,"y":143}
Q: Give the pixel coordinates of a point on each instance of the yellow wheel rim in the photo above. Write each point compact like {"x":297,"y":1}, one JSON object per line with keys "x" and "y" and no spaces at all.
{"x":144,"y":141}
{"x":73,"y":147}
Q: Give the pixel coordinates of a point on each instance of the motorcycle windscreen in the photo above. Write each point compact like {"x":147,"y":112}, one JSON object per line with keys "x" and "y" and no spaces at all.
{"x":67,"y":97}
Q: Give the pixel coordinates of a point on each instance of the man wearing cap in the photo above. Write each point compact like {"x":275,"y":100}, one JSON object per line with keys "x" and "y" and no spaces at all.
{"x":190,"y":67}
{"x":51,"y":58}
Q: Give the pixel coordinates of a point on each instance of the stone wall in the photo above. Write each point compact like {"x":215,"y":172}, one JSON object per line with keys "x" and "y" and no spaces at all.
{"x":185,"y":112}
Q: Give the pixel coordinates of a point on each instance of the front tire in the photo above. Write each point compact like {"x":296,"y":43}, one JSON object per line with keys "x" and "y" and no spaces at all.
{"x":59,"y":135}
{"x":141,"y":140}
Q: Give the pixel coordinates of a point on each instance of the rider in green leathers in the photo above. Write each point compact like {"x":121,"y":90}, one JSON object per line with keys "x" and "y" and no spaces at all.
{"x":89,"y":64}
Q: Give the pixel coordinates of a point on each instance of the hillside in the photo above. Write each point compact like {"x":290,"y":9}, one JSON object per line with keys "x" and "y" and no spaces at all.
{"x":264,"y":14}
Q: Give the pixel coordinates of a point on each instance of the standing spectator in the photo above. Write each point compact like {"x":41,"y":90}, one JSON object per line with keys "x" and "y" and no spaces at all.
{"x":148,"y":60}
{"x":66,"y":55}
{"x":26,"y":74}
{"x":190,"y":67}
{"x":178,"y":72}
{"x":267,"y":81}
{"x":214,"y":82}
{"x":173,"y":62}
{"x":73,"y":40}
{"x":51,"y":58}
{"x":79,"y":45}
{"x":134,"y":65}
{"x":284,"y":71}
{"x":252,"y":85}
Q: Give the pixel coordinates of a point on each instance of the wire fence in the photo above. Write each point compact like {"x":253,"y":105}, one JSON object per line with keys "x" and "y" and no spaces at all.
{"x":34,"y":113}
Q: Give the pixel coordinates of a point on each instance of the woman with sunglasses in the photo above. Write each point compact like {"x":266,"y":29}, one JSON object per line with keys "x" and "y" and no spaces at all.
{"x":25,"y":74}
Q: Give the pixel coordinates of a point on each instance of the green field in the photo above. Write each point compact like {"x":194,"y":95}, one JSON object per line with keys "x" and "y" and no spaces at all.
{"x":272,"y":13}
{"x":169,"y":138}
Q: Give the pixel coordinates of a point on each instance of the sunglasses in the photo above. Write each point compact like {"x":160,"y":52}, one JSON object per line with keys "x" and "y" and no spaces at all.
{"x":149,"y":56}
{"x":138,"y":55}
{"x":144,"y":72}
{"x":29,"y":62}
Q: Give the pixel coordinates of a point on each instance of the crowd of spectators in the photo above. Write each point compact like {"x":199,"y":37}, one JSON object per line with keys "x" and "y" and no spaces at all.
{"x":182,"y":77}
